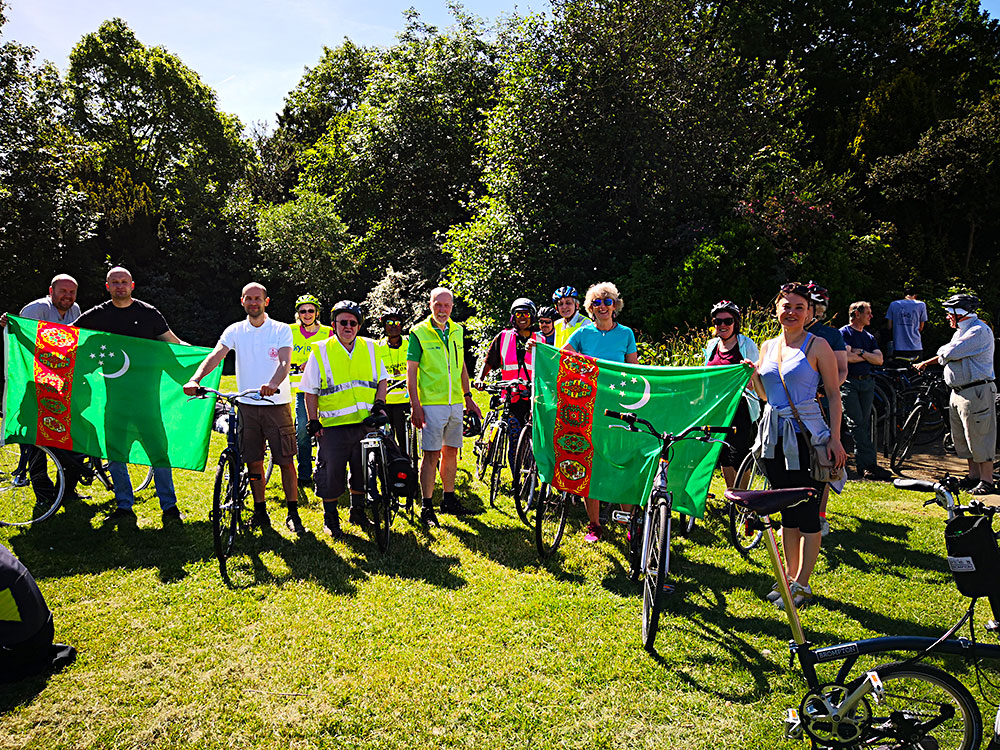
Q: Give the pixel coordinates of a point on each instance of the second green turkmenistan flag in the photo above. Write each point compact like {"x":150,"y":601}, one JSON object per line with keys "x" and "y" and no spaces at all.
{"x":105,"y":395}
{"x":577,"y":451}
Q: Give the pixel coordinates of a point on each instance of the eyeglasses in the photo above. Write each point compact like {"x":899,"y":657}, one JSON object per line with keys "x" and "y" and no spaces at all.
{"x":722,"y":321}
{"x":392,"y":323}
{"x":603,"y":301}
{"x":307,"y":311}
{"x":348,"y":323}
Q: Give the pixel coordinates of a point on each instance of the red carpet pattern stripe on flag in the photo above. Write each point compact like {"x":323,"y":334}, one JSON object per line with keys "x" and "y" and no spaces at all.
{"x":576,"y":393}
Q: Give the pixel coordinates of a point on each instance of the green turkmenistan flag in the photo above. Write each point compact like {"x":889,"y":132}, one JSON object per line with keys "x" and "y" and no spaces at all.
{"x":577,"y":451}
{"x":105,"y":395}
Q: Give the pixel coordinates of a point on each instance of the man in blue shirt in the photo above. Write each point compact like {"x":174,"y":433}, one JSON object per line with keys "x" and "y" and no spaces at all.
{"x":858,"y":391}
{"x":906,"y":318}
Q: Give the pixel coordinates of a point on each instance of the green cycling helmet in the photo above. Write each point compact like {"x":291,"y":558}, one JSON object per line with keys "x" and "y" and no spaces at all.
{"x":306,"y":299}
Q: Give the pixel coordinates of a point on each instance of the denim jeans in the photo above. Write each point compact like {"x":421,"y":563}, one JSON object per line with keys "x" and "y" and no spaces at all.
{"x":858,"y":396}
{"x":302,"y":440}
{"x":124,"y":498}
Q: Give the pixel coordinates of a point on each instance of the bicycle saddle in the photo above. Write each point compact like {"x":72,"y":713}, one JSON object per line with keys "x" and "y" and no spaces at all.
{"x":766,"y":502}
{"x":375,"y":420}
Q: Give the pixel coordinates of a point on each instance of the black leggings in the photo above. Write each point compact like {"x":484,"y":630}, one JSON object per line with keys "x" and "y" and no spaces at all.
{"x":805,"y":515}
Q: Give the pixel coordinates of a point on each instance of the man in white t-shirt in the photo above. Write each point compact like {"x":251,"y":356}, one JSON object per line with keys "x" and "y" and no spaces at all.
{"x":263,"y":357}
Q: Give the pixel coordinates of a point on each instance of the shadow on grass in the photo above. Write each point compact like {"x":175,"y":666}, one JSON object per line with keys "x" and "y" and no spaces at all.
{"x":17,"y":694}
{"x":880,"y":539}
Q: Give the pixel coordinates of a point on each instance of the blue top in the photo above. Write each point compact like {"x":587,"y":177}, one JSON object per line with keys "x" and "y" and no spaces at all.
{"x":859,"y":340}
{"x":800,"y":378}
{"x":831,"y":335}
{"x":968,"y":357}
{"x":906,"y":316}
{"x":612,"y":345}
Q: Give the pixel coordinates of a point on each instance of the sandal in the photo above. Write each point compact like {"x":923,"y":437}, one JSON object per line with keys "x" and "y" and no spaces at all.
{"x":983,"y":488}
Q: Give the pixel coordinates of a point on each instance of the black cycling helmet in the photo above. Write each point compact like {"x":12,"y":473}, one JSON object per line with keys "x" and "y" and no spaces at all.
{"x":390,"y":312}
{"x":346,"y":305}
{"x":548,"y":312}
{"x":523,"y":304}
{"x":962,"y":301}
{"x":818,"y":294}
{"x":472,"y":426}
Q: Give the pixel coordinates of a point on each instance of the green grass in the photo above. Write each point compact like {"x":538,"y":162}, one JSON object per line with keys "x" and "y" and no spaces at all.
{"x":460,"y":638}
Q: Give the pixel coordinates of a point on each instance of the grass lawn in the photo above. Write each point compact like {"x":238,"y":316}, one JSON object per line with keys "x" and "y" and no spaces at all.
{"x":459,"y":638}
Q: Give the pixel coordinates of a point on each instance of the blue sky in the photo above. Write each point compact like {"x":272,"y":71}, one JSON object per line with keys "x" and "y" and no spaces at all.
{"x":252,"y":52}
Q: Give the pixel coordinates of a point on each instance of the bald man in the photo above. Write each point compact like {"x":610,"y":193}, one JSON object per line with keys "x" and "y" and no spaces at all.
{"x":263,"y":349}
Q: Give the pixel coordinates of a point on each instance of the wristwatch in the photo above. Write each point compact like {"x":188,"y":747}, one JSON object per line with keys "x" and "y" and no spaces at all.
{"x":468,"y":394}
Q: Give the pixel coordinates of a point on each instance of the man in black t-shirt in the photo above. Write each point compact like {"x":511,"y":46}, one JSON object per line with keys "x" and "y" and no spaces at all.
{"x":126,"y":316}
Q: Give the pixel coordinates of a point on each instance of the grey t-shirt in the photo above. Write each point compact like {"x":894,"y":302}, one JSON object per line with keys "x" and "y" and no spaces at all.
{"x":43,"y":309}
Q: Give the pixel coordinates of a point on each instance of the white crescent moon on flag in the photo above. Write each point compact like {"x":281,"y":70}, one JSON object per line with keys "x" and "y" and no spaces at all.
{"x":642,"y":401}
{"x":124,"y":368}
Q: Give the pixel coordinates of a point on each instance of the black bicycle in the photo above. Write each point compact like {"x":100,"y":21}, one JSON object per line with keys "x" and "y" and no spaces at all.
{"x":902,"y":704}
{"x":380,"y":500}
{"x":926,"y":422}
{"x":492,"y":446}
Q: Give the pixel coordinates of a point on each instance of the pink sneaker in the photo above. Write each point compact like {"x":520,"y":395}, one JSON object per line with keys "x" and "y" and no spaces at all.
{"x":593,"y":533}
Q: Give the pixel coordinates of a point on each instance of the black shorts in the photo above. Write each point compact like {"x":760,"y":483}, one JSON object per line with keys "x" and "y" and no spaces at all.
{"x":805,"y":515}
{"x":739,"y":441}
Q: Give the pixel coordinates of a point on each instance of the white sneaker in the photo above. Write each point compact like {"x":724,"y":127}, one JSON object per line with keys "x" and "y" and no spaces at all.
{"x":802,"y":596}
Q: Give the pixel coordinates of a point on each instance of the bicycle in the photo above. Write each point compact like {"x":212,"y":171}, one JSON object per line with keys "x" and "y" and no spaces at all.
{"x":524,"y":475}
{"x":926,"y":422}
{"x":411,"y":447}
{"x":744,"y":532}
{"x":491,"y":447}
{"x":380,"y":502}
{"x":922,"y":706}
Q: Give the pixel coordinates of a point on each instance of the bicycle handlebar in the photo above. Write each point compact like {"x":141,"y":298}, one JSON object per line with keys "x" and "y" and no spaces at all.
{"x":631,"y":419}
{"x":253,"y":393}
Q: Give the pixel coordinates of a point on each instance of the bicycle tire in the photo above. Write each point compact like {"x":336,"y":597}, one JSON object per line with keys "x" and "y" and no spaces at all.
{"x":524,"y":476}
{"x":749,"y":476}
{"x":906,"y":716}
{"x":20,"y":503}
{"x":268,"y":464}
{"x":481,"y":448}
{"x":551,"y":508}
{"x":499,"y":451}
{"x":413,"y":453}
{"x":903,"y":447}
{"x":655,"y":568}
{"x":140,"y":476}
{"x":379,"y":500}
{"x":226,"y":510}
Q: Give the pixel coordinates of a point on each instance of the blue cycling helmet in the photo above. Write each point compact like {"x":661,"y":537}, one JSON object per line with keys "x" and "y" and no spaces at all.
{"x":564,"y":291}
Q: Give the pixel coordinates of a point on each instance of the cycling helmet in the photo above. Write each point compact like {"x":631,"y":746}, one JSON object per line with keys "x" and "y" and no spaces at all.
{"x":564,"y":291}
{"x":961,"y":301}
{"x":471,"y":424}
{"x":306,"y":299}
{"x":346,"y":305}
{"x":523,"y":304}
{"x":548,"y":312}
{"x":728,"y":306}
{"x":818,"y":294}
{"x":389,"y":312}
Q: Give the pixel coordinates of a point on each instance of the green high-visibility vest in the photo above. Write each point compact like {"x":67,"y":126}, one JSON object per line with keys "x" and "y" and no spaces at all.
{"x":347,"y":382}
{"x":394,"y":361}
{"x":301,"y":346}
{"x":439,"y":377}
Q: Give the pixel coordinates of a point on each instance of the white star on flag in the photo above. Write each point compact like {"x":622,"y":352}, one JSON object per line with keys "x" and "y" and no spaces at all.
{"x":635,"y":380}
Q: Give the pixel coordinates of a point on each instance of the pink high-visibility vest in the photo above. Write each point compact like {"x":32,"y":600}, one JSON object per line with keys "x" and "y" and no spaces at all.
{"x":508,"y":355}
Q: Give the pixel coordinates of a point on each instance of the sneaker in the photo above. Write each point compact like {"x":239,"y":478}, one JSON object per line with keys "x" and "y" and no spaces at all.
{"x":260,"y":518}
{"x":802,"y":596}
{"x":122,"y":514}
{"x":429,"y":518}
{"x":294,"y":524}
{"x":876,"y":474}
{"x":593,"y":533}
{"x":454,"y":508}
{"x":331,"y":525}
{"x":172,"y":515}
{"x":983,"y":488}
{"x":773,"y":595}
{"x":824,"y":526}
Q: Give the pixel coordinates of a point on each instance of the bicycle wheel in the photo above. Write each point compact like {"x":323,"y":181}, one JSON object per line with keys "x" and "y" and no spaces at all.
{"x":550,"y":519}
{"x":141,"y":476}
{"x":655,"y":568}
{"x":413,"y":452}
{"x":226,"y":508}
{"x":923,"y":707}
{"x":905,"y":439}
{"x":481,"y":448}
{"x":32,"y":483}
{"x":742,"y":534}
{"x":498,"y":463}
{"x":268,"y":464}
{"x":378,"y":505}
{"x":525,"y":476}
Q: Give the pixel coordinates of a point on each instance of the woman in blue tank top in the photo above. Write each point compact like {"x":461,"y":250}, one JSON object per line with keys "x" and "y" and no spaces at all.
{"x":801,"y":359}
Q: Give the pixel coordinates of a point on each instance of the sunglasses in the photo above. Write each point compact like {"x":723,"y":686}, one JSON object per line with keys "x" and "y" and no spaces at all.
{"x":348,"y":323}
{"x":603,"y":301}
{"x":522,"y":314}
{"x":392,"y":323}
{"x":722,"y":321}
{"x":307,"y":311}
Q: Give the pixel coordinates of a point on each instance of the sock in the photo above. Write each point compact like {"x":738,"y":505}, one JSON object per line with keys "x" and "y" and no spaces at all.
{"x":293,"y":509}
{"x":426,"y":503}
{"x":447,"y":498}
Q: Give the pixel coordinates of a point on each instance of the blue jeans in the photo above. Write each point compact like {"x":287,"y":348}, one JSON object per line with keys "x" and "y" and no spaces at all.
{"x":858,"y":396}
{"x":302,"y":439}
{"x":124,"y":498}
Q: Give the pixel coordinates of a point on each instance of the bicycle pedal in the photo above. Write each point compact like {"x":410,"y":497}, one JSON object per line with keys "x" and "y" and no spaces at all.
{"x":621,"y":516}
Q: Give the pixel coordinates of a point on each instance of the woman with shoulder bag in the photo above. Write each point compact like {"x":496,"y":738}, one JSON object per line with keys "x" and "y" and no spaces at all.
{"x":798,"y":448}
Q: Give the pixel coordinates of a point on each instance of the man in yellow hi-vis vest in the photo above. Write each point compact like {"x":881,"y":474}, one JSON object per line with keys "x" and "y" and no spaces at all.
{"x":438,"y":383}
{"x":344,"y":381}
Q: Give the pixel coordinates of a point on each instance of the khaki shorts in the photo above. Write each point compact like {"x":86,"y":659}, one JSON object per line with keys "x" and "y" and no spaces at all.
{"x":974,"y":422}
{"x":442,"y":425}
{"x":272,"y":423}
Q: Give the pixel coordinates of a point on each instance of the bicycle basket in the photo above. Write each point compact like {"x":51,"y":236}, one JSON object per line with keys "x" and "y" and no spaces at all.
{"x":973,"y":555}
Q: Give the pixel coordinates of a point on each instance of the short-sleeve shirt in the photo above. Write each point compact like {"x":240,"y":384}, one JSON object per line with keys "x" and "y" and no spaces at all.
{"x":414,"y":349}
{"x":139,"y":319}
{"x":43,"y":309}
{"x":611,"y":345}
{"x":831,"y":335}
{"x":257,"y":349}
{"x":858,"y":340}
{"x":906,"y":316}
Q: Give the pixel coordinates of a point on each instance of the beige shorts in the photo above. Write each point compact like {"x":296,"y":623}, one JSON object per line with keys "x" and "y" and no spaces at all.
{"x":442,"y":426}
{"x":974,"y":422}
{"x":272,"y":423}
